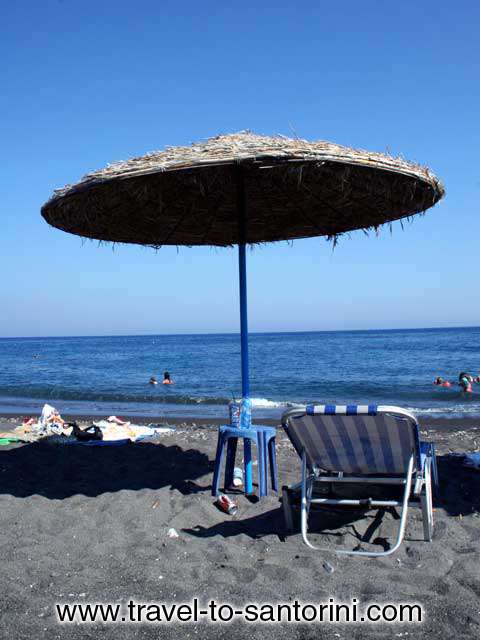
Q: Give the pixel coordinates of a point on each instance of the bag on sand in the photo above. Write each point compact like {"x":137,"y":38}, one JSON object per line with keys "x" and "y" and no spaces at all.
{"x":90,"y":433}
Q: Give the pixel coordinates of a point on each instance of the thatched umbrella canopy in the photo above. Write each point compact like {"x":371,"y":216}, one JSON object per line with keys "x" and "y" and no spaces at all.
{"x":293,"y":189}
{"x":241,"y":189}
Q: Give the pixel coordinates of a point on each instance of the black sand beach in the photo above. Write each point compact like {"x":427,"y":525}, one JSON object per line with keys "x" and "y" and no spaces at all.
{"x":86,"y":524}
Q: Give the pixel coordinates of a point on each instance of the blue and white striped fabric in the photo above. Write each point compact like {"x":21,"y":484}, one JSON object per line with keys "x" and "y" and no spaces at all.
{"x":354,"y":439}
{"x":341,"y":409}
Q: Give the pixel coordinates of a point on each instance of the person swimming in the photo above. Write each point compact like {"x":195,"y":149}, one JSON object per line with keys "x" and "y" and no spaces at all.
{"x":166,"y":378}
{"x":440,"y":382}
{"x":465,"y":382}
{"x":153,"y":380}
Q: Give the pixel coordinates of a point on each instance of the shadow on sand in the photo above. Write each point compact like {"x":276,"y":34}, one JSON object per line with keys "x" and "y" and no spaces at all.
{"x":272,"y":523}
{"x":458,"y":494}
{"x":59,"y":471}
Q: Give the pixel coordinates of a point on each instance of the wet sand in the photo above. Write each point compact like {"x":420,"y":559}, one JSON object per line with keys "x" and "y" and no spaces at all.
{"x":90,"y":524}
{"x":448,"y":424}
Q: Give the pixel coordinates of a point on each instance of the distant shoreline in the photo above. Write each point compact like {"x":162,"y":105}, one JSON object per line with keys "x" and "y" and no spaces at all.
{"x":15,"y":419}
{"x":10,"y":420}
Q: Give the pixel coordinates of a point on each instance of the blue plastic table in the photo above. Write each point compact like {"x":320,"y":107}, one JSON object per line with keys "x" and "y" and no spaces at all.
{"x":264,"y":439}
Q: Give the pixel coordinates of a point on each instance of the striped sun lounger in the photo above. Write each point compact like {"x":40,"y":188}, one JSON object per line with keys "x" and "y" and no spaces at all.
{"x":364,"y":445}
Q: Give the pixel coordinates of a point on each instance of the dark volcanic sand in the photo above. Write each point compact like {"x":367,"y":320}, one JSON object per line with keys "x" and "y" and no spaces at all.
{"x":86,"y":524}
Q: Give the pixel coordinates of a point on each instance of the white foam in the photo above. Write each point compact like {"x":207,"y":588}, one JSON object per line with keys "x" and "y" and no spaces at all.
{"x":264,"y":403}
{"x":455,"y":411}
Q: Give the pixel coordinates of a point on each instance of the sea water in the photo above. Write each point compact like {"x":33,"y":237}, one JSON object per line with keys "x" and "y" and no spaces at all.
{"x":105,"y":375}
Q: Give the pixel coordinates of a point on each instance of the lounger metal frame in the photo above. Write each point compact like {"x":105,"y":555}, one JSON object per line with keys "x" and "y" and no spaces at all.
{"x":417,"y":483}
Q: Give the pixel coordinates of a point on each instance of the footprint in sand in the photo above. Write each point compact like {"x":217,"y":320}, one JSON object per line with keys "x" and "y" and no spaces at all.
{"x":441,"y":587}
{"x":370,"y":589}
{"x":413,"y":554}
{"x":439,"y":530}
{"x":275,"y":573}
{"x":474,"y":532}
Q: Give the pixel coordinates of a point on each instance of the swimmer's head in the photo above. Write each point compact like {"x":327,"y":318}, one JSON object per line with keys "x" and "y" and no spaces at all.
{"x":166,"y":375}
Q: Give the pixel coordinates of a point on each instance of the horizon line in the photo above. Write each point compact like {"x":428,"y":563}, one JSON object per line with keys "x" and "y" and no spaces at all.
{"x":152,"y":334}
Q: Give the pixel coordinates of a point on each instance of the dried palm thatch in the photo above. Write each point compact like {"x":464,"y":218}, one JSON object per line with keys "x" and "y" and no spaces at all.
{"x":294,"y":189}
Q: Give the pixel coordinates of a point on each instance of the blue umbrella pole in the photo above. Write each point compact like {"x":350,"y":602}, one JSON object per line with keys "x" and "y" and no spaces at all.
{"x":242,"y":272}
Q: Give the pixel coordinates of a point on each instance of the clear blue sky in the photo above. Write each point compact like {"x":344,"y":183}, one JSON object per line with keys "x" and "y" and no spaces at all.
{"x":86,"y":83}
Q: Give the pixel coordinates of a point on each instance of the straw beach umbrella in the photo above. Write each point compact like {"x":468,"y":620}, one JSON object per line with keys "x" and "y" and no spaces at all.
{"x":242,"y":189}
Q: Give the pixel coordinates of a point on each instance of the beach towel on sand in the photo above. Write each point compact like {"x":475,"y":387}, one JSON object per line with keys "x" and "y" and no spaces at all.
{"x":114,"y":431}
{"x":99,"y":443}
{"x":8,"y":440}
{"x":49,"y":423}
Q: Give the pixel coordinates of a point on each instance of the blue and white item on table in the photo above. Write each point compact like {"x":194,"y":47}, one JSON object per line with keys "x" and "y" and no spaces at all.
{"x":234,"y":413}
{"x":237,"y":477}
{"x":246,"y":413}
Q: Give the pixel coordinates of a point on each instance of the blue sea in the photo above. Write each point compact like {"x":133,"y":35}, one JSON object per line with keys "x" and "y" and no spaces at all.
{"x":109,"y":375}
